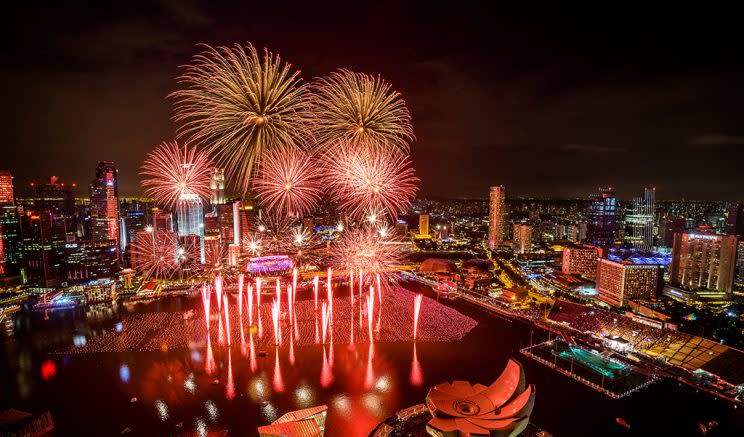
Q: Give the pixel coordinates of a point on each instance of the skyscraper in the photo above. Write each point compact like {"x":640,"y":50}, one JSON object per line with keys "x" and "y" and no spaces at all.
{"x":104,"y":203}
{"x":703,"y":261}
{"x":739,"y":276}
{"x":10,"y":248}
{"x":423,"y":225}
{"x":497,"y":216}
{"x":41,"y":261}
{"x":218,"y":186}
{"x":602,"y":218}
{"x":641,"y":220}
{"x":6,"y":188}
{"x":671,"y":226}
{"x":735,"y":219}
{"x":522,"y":237}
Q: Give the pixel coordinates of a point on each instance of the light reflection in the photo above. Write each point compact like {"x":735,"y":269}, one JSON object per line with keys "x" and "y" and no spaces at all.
{"x":382,"y":383}
{"x":189,"y":384}
{"x":269,"y":412}
{"x":230,"y":386}
{"x":212,"y":411}
{"x":200,"y":427}
{"x":278,"y":382}
{"x":373,"y":404}
{"x":342,"y":403}
{"x":417,"y":375}
{"x":124,"y":373}
{"x":119,"y":327}
{"x":304,"y":396}
{"x":79,"y":340}
{"x":162,"y":410}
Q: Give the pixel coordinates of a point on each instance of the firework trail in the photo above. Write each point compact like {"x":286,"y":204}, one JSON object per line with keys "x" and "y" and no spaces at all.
{"x":240,"y":104}
{"x":175,"y":175}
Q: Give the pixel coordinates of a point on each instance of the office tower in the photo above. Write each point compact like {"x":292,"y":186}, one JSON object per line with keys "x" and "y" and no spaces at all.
{"x":451,"y":229}
{"x":225,"y":218}
{"x":7,"y":196}
{"x":522,"y":238}
{"x":191,"y":221}
{"x":162,"y":220}
{"x":246,"y":221}
{"x":581,"y":260}
{"x":88,"y":260}
{"x":739,"y":276}
{"x":640,"y":221}
{"x":671,"y":226}
{"x":10,"y":245}
{"x":582,"y":231}
{"x":104,"y":203}
{"x":423,"y":230}
{"x":497,"y":216}
{"x":735,"y":219}
{"x":218,"y":186}
{"x":703,"y":261}
{"x":619,"y":282}
{"x":602,"y":218}
{"x":40,"y":257}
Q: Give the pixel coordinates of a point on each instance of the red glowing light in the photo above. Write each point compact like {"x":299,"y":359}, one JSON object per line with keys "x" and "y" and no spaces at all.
{"x":48,"y":370}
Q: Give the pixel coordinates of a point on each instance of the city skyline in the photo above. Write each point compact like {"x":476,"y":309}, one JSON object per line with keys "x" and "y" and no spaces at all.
{"x":518,"y":99}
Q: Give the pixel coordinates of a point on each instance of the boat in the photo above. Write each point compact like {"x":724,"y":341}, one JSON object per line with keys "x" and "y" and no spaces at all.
{"x":622,"y":422}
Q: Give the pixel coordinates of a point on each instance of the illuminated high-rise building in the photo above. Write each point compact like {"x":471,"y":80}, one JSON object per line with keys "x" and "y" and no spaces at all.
{"x":7,"y":196}
{"x":162,"y":220}
{"x":191,"y":221}
{"x":522,"y":237}
{"x":218,"y":186}
{"x":423,"y":230}
{"x":104,"y":203}
{"x":41,"y":261}
{"x":620,"y":281}
{"x":88,"y":260}
{"x":671,"y":226}
{"x":602,"y":218}
{"x":497,"y":216}
{"x":581,"y":260}
{"x":735,"y":219}
{"x":10,"y":244}
{"x":641,"y":220}
{"x":739,"y":276}
{"x":703,"y":261}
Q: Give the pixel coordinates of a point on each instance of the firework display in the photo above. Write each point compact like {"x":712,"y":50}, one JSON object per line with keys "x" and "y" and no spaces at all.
{"x":176,"y":174}
{"x":288,"y":182}
{"x":289,"y":146}
{"x":239,"y":105}
{"x":362,"y":109}
{"x":165,"y":256}
{"x":364,"y":181}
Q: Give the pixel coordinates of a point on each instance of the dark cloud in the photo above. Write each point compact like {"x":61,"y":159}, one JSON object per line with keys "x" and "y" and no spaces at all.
{"x":549,"y":101}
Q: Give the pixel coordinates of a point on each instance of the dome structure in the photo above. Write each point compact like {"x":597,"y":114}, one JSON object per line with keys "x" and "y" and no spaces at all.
{"x":437,"y":265}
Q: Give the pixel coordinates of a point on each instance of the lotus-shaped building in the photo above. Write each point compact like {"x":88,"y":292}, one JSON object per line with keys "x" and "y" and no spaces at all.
{"x":460,"y":409}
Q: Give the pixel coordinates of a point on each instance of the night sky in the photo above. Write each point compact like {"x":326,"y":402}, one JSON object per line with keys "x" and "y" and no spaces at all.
{"x":549,"y":102}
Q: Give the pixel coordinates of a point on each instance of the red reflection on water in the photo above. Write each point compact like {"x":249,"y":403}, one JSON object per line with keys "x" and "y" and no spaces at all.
{"x":417,"y":375}
{"x":209,"y":365}
{"x":227,"y":320}
{"x":369,"y":378}
{"x":230,"y":386}
{"x":326,"y":372}
{"x":277,"y":382}
{"x":241,"y":278}
{"x":205,"y":293}
{"x":48,"y":370}
{"x":254,"y":365}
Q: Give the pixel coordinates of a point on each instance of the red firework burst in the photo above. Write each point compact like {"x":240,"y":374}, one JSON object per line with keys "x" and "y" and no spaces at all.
{"x":364,"y":248}
{"x":163,"y":255}
{"x":364,"y":180}
{"x":176,"y":174}
{"x":287,"y":182}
